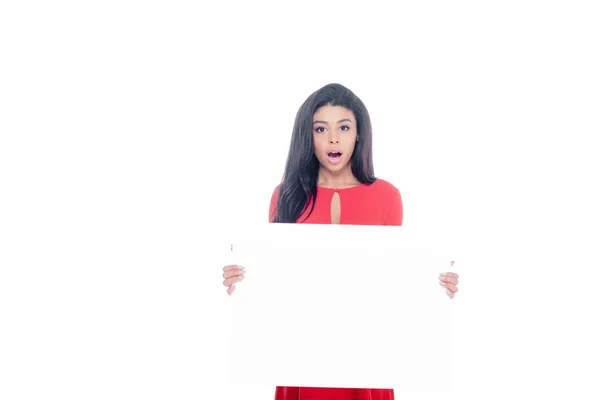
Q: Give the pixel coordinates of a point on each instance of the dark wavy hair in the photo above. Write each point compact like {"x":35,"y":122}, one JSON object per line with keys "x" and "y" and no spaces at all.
{"x":298,"y":186}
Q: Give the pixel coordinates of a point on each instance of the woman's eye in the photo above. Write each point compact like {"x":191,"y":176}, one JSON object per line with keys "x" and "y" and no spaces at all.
{"x":345,"y":128}
{"x":319,"y":129}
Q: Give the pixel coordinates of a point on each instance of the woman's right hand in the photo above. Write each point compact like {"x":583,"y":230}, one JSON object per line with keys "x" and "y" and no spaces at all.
{"x":232,"y":275}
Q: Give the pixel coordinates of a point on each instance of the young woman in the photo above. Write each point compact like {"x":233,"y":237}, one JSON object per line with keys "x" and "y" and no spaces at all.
{"x":329,"y":179}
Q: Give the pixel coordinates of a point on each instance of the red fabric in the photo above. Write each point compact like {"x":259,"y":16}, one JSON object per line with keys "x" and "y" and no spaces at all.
{"x":309,"y":393}
{"x":377,"y":204}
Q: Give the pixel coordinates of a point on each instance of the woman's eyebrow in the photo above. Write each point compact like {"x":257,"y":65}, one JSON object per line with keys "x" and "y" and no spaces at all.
{"x":325,"y":122}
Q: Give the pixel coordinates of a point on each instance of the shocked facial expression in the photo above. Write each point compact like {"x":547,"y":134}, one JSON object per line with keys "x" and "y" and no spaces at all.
{"x":334,"y":136}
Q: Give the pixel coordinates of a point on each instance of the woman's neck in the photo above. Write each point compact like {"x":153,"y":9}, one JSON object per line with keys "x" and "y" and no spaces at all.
{"x":339,"y":180}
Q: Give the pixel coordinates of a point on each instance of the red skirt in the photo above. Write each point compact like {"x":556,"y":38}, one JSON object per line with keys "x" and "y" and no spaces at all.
{"x":309,"y":393}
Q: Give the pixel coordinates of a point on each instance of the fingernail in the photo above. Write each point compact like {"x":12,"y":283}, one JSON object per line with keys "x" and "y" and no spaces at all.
{"x":442,"y":283}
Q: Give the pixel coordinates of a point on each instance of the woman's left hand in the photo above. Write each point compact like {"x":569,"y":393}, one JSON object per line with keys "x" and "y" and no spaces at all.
{"x":449,"y":280}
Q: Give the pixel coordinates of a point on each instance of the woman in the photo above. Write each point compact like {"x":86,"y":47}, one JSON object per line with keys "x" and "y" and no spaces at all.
{"x":329,"y":178}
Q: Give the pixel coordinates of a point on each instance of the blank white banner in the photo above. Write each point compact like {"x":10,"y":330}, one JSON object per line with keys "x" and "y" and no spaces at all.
{"x":341,"y":306}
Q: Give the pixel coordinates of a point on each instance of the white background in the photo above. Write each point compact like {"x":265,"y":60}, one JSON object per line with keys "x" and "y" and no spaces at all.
{"x":130,"y":129}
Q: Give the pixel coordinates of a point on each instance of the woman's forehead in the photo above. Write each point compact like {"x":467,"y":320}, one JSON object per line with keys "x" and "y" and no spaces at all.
{"x":332,"y":113}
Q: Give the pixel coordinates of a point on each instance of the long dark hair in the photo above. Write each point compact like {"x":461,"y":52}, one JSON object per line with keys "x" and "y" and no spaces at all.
{"x":299,"y":183}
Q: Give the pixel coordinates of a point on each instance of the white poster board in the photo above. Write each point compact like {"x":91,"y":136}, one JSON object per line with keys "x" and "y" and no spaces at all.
{"x":341,"y":306}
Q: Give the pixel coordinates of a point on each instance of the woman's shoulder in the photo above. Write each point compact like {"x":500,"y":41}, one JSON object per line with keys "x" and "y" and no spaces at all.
{"x":275,"y":196}
{"x":381,"y":186}
{"x":275,"y":192}
{"x":388,"y":199}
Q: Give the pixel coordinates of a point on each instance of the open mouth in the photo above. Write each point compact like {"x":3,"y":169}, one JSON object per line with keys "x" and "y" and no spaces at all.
{"x":334,"y":157}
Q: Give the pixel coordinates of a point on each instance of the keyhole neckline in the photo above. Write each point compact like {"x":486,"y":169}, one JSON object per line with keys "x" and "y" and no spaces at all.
{"x":337,"y":189}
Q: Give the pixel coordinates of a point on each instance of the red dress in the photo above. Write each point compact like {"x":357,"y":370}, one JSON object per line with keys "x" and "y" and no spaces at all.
{"x":377,"y":204}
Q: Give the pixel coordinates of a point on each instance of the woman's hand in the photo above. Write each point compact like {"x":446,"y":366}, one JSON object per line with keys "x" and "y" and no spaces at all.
{"x":449,"y":280}
{"x":232,"y":275}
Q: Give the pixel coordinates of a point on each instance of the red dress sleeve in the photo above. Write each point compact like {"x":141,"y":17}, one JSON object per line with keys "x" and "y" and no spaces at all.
{"x":396,"y":213}
{"x":273,"y":206}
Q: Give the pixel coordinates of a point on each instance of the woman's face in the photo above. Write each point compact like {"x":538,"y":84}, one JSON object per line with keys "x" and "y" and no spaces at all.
{"x":334,"y":134}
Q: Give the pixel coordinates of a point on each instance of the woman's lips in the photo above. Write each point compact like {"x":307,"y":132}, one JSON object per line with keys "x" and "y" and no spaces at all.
{"x":334,"y":157}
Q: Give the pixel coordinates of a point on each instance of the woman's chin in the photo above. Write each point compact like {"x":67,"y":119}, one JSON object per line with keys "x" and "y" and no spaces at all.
{"x":335,"y":168}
